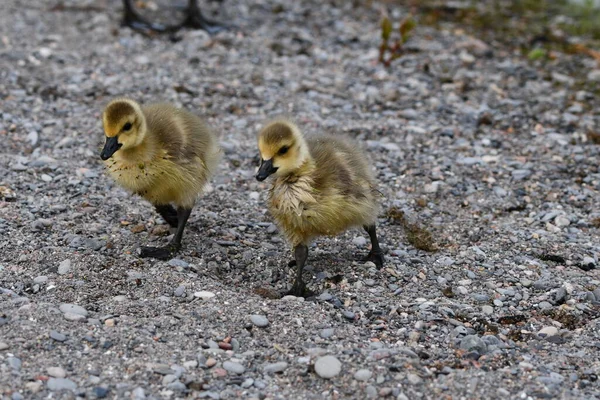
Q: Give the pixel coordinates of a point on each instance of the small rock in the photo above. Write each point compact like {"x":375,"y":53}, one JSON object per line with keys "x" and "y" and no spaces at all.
{"x":64,"y":267}
{"x":73,"y":309}
{"x":180,"y":291}
{"x":349,"y":315}
{"x":40,"y":279}
{"x":59,"y":337}
{"x":56,"y":384}
{"x":473,"y":343}
{"x":487,"y":310}
{"x":359,"y":241}
{"x":259,"y":320}
{"x":203,"y":294}
{"x":176,"y":262}
{"x":548,"y":331}
{"x":14,"y":363}
{"x":234,"y":367}
{"x":363,"y":375}
{"x":100,"y":392}
{"x":56,"y":372}
{"x":211,"y":362}
{"x":275,"y":367}
{"x":414,"y":379}
{"x":326,"y":333}
{"x":3,"y":346}
{"x":561,"y":221}
{"x":327,"y":367}
{"x":169,"y":378}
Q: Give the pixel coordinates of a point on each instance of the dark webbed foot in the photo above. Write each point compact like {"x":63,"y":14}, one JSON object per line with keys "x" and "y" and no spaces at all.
{"x":292,"y":263}
{"x":160,"y":253}
{"x":135,"y":21}
{"x":299,"y":289}
{"x":376,"y":254}
{"x":375,"y":257}
{"x":195,"y":19}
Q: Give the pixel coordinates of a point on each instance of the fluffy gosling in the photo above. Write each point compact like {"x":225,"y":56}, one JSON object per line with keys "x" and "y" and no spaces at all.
{"x":323,"y":186}
{"x":162,"y":153}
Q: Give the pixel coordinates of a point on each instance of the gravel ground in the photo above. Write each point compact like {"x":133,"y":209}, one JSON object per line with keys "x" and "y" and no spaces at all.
{"x":483,"y":149}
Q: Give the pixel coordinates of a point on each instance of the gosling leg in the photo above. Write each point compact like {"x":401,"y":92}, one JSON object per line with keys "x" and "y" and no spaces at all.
{"x":168,"y":213}
{"x":195,"y":19}
{"x":299,"y":287}
{"x":167,"y":252}
{"x":376,"y":254}
{"x":136,"y":22}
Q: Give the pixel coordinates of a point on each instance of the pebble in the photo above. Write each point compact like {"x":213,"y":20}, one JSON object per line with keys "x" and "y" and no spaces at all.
{"x":203,"y":294}
{"x":327,"y":333}
{"x":414,"y":379}
{"x":349,"y":315}
{"x":56,"y":384}
{"x":59,"y":337}
{"x":234,"y":367}
{"x":40,"y":279}
{"x":259,"y":320}
{"x":56,"y":372}
{"x":561,"y":221}
{"x":176,"y":262}
{"x":544,"y":305}
{"x":138,"y":394}
{"x":73,"y":309}
{"x":473,"y":343}
{"x":359,"y":241}
{"x":64,"y":267}
{"x":14,"y":363}
{"x":548,"y":331}
{"x":363,"y":375}
{"x":3,"y":346}
{"x":275,"y":367}
{"x":328,"y":367}
{"x":180,"y":291}
{"x":100,"y":392}
{"x":487,"y":310}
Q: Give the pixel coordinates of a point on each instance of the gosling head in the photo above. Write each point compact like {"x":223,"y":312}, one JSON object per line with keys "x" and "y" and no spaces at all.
{"x":124,"y":126}
{"x":282,"y":149}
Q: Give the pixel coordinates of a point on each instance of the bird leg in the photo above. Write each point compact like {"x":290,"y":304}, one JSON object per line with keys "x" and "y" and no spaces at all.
{"x":136,"y":22}
{"x":375,"y":255}
{"x":195,"y":19}
{"x":165,"y":253}
{"x":299,"y":288}
{"x":168,"y":213}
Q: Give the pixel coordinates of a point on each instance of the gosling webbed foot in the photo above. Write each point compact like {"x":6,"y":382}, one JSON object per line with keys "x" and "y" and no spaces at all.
{"x":376,"y":257}
{"x":160,"y":253}
{"x":299,"y":289}
{"x":195,"y":19}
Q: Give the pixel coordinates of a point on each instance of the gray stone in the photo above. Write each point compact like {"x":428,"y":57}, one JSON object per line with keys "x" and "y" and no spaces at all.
{"x":234,"y":367}
{"x":176,"y":262}
{"x":64,"y":267}
{"x":15,"y":363}
{"x":487,"y":310}
{"x":326,"y":333}
{"x":56,"y":384}
{"x":328,"y":367}
{"x":473,"y":343}
{"x":40,"y":279}
{"x":73,"y":309}
{"x":59,"y":337}
{"x":414,"y":379}
{"x":363,"y":375}
{"x":180,"y":291}
{"x":259,"y":320}
{"x":275,"y":367}
{"x":56,"y":372}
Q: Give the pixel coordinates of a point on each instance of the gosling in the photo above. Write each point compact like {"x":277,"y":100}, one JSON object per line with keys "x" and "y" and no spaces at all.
{"x":323,"y":186}
{"x":162,"y":153}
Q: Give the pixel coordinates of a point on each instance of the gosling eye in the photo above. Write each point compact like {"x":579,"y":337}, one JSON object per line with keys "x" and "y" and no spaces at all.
{"x":283,"y":150}
{"x":127,"y":126}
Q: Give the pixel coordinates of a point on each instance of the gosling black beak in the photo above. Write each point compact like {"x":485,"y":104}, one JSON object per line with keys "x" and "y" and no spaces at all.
{"x":110,"y":147}
{"x":266,"y":168}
